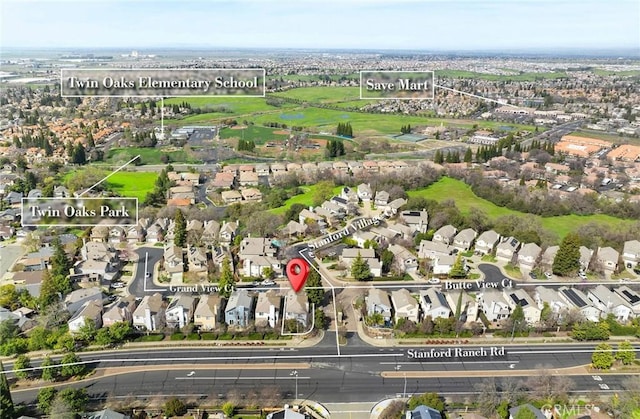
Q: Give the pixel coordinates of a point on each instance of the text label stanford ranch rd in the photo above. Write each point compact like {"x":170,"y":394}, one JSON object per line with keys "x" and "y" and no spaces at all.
{"x":441,"y":353}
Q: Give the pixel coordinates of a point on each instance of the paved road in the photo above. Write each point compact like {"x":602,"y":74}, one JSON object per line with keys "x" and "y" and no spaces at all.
{"x":137,"y":285}
{"x":9,"y":254}
{"x":323,"y":385}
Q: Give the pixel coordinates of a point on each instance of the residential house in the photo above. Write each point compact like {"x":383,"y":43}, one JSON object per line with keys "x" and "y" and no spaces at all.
{"x":262,"y":169}
{"x":548,"y":256}
{"x":363,"y":238}
{"x":239,"y":309}
{"x":76,"y":299}
{"x":195,"y":227}
{"x":528,"y":256}
{"x":155,"y":234}
{"x":197,"y":259}
{"x":631,"y":253}
{"x":468,"y":305}
{"x":557,"y":304}
{"x":6,"y":232}
{"x":231,"y":197}
{"x":174,"y":262}
{"x":306,"y":214}
{"x":576,"y":299}
{"x":255,"y":265}
{"x":117,"y":234}
{"x":403,"y":259}
{"x":348,"y":255}
{"x":222,"y":180}
{"x":340,"y":167}
{"x":377,"y":301}
{"x":631,"y":297}
{"x":381,"y":198}
{"x":364,"y":192}
{"x":519,"y":297}
{"x":228,"y":231}
{"x":608,"y":302}
{"x":99,"y":234}
{"x":90,"y":312}
{"x":442,"y":264}
{"x":418,"y":221}
{"x":251,"y":194}
{"x":135,"y":234}
{"x":210,"y":232}
{"x":296,"y":307}
{"x":423,"y":412}
{"x":493,"y":305}
{"x":207,"y":312}
{"x":486,"y":242}
{"x":61,"y":192}
{"x":401,"y":230}
{"x":430,"y":250}
{"x":287,"y":414}
{"x":434,"y":304}
{"x":103,"y":414}
{"x":404,"y":305}
{"x":294,"y":228}
{"x":607,"y":258}
{"x":149,"y":315}
{"x":585,"y":257}
{"x":445,"y":234}
{"x":179,"y":313}
{"x":393,"y":207}
{"x":507,"y":248}
{"x":248,"y":179}
{"x":370,"y":166}
{"x":121,"y":311}
{"x":268,"y":308}
{"x":464,"y":239}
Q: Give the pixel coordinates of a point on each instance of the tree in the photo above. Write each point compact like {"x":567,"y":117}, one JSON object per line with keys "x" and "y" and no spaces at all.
{"x":588,"y":330}
{"x":46,"y":395}
{"x":22,"y":362}
{"x":76,"y":399}
{"x":49,"y":369}
{"x":360,"y":270}
{"x":174,"y":407}
{"x":567,"y":260}
{"x":48,"y":293}
{"x":320,"y":319}
{"x":6,"y":403}
{"x":79,"y":155}
{"x":625,"y":354}
{"x":226,"y":283}
{"x":315,"y":296}
{"x":548,"y":388}
{"x":602,"y":358}
{"x":119,"y":331}
{"x":432,"y":400}
{"x":60,"y":266}
{"x":468,"y":156}
{"x":228,"y":408}
{"x":180,"y":232}
{"x":457,"y":270}
{"x":70,"y":367}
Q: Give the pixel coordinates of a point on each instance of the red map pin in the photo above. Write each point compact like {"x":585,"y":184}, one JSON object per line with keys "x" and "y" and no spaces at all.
{"x":297,"y":272}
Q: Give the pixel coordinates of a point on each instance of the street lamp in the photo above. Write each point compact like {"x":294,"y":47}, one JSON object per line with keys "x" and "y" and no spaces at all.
{"x":404,"y":391}
{"x":294,"y":373}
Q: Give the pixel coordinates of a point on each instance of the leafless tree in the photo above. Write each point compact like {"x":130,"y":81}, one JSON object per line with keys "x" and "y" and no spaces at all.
{"x":549,"y":387}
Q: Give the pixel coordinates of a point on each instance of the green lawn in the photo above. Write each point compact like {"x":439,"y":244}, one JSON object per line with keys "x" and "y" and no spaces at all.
{"x":149,"y":155}
{"x":305,"y":198}
{"x":132,"y":184}
{"x":466,"y":201}
{"x":257,"y":133}
{"x":621,"y":73}
{"x":322,"y":94}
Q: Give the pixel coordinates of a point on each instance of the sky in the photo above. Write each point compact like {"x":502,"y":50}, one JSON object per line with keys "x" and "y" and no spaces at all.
{"x":506,"y":25}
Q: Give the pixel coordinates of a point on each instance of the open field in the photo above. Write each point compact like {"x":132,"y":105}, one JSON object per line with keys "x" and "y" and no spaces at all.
{"x":607,"y":137}
{"x":258,"y":134}
{"x":621,"y":73}
{"x":322,"y":94}
{"x":305,"y":198}
{"x":466,"y":201}
{"x":227,"y":105}
{"x":132,"y":184}
{"x":149,"y":155}
{"x":463,"y":74}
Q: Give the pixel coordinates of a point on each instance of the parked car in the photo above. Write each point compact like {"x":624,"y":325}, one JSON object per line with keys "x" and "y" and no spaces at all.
{"x":533,"y":275}
{"x":267,"y":283}
{"x":433,"y":281}
{"x":548,"y":275}
{"x":117,"y":285}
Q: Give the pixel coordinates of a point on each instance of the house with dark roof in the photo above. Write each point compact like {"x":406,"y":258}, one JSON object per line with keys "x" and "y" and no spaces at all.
{"x":434,"y":304}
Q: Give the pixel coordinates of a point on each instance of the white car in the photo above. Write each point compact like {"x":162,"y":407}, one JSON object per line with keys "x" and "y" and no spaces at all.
{"x":433,"y":281}
{"x":117,"y":285}
{"x":267,"y":282}
{"x":582,"y":276}
{"x":548,"y":275}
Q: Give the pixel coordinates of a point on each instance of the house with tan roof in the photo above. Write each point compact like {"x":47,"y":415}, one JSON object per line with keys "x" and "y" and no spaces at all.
{"x":207,"y":312}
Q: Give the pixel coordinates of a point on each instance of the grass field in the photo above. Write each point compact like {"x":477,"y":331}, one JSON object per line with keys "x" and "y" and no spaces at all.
{"x":305,"y":198}
{"x":621,"y":73}
{"x":322,"y":94}
{"x":604,"y":136}
{"x":466,"y":201}
{"x":463,"y":74}
{"x":258,"y":134}
{"x":132,"y":184}
{"x":148,"y":155}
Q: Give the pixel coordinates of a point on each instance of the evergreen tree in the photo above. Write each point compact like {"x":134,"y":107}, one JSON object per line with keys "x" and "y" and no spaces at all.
{"x":6,"y":403}
{"x":567,"y":260}
{"x":180,"y":232}
{"x":226,"y":283}
{"x":468,"y":155}
{"x":60,"y":266}
{"x":438,"y":158}
{"x":79,"y":155}
{"x":457,"y":270}
{"x":48,"y":292}
{"x":49,"y":374}
{"x":315,"y":296}
{"x":360,"y":269}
